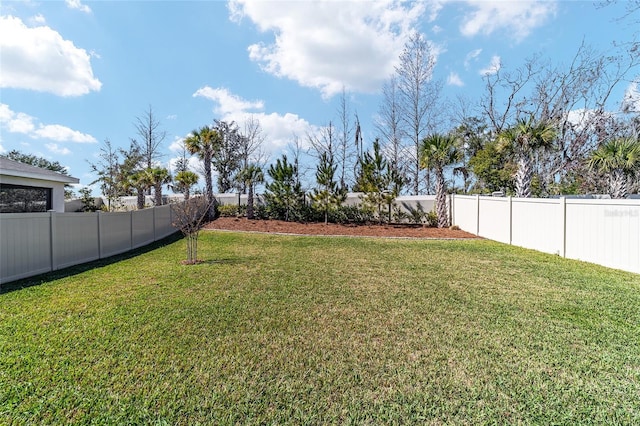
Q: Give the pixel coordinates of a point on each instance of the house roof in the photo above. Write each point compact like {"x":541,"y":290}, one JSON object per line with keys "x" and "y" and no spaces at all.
{"x":17,"y":169}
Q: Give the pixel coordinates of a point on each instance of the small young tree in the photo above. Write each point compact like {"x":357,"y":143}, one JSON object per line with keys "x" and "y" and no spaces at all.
{"x":107,"y":170}
{"x":284,"y":193}
{"x":250,"y":176}
{"x":88,"y":202}
{"x":188,"y":216}
{"x":328,"y":196}
{"x":380,"y":184}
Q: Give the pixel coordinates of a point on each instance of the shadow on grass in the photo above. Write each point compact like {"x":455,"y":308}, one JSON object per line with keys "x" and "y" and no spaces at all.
{"x":78,"y":269}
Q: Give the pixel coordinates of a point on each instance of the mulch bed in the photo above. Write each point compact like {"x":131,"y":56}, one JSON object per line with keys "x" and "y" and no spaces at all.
{"x":372,"y":230}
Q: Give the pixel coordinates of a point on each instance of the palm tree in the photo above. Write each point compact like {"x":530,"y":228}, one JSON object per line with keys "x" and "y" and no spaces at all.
{"x":437,"y":152}
{"x":250,"y":176}
{"x":620,"y":158}
{"x":185,"y":179}
{"x":140,"y":181}
{"x":526,"y":138}
{"x":157,"y":177}
{"x":204,"y":143}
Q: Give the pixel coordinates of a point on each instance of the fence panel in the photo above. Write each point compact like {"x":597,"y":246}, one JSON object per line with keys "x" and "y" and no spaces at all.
{"x":162,"y":220}
{"x":606,"y":232}
{"x":35,"y":243}
{"x":115,"y":233}
{"x":537,"y":224}
{"x":494,"y":220}
{"x":465,"y":212}
{"x":75,"y":239}
{"x":142,"y":223}
{"x":25,"y":245}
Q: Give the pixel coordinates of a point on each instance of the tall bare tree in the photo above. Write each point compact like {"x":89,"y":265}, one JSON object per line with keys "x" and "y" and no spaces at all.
{"x":418,"y":95}
{"x":345,"y":151}
{"x":250,"y":147}
{"x":151,"y":135}
{"x":389,"y":125}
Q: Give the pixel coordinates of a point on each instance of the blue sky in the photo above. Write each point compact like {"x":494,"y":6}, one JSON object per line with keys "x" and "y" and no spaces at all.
{"x":74,"y":73}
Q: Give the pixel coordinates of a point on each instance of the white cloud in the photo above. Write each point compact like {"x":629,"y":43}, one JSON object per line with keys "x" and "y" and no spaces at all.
{"x":330,"y":45}
{"x":454,"y":80}
{"x":278,"y":129}
{"x":493,"y":67}
{"x":38,"y":19}
{"x":471,"y":56}
{"x":226,"y":102}
{"x":60,"y":133}
{"x":40,"y":59}
{"x":519,"y":18}
{"x":19,"y":122}
{"x":53,"y":147}
{"x":631,"y":100}
{"x":77,"y":4}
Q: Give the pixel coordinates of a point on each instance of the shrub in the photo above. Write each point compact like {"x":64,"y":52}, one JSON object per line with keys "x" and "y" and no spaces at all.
{"x":232,"y":210}
{"x":351,"y":214}
{"x":431,"y":219}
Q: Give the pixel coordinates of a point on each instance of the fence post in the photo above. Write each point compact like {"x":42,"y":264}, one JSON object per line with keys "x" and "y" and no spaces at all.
{"x":154,"y":222}
{"x":130,"y":229}
{"x":52,"y":238}
{"x":478,"y":214}
{"x":510,"y":220}
{"x":563,"y":224}
{"x":98,"y":219}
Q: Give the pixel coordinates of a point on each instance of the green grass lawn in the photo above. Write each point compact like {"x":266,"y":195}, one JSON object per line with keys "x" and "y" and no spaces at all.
{"x":310,"y":330}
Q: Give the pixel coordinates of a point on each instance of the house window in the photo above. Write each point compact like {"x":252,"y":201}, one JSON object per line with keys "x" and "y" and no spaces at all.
{"x":24,"y":199}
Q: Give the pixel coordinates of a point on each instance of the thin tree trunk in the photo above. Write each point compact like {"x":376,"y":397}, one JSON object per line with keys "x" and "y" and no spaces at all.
{"x":441,"y":199}
{"x":618,"y":184}
{"x":250,"y":202}
{"x":524,"y":176}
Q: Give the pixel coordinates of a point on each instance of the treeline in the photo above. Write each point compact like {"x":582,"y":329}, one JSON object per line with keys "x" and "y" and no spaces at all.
{"x":541,"y":129}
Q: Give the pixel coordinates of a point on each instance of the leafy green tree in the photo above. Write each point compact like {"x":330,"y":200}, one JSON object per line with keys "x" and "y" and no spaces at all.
{"x":526,"y":138}
{"x":250,"y":176}
{"x":328,"y":195}
{"x":380,"y":184}
{"x":438,"y":152}
{"x":227,"y":155}
{"x":203,"y":142}
{"x":493,"y":169}
{"x":88,"y":202}
{"x":620,"y":159}
{"x":184,"y":181}
{"x":34,"y":160}
{"x":471,"y":136}
{"x":107,"y":171}
{"x":284,"y":193}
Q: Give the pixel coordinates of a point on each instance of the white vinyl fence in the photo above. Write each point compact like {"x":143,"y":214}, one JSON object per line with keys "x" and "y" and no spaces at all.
{"x":605,"y":232}
{"x":35,"y":243}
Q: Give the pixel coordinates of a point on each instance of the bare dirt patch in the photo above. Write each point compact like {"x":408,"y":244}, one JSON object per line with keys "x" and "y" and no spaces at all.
{"x":282,"y":227}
